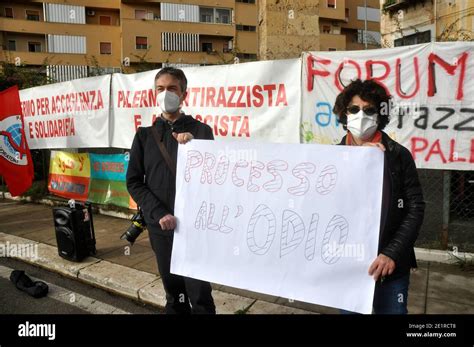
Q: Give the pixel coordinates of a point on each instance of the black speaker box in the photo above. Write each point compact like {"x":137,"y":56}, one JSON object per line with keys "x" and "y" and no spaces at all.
{"x":74,"y":229}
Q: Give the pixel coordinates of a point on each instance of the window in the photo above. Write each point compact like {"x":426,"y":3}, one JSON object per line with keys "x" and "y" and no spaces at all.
{"x":207,"y":47}
{"x":8,"y":12}
{"x":11,"y":45}
{"x":241,"y":27}
{"x":331,"y":3}
{"x":332,"y":49}
{"x":215,"y":15}
{"x":246,"y":1}
{"x":372,"y":14}
{"x":32,"y":15}
{"x":414,"y":39}
{"x":355,"y":37}
{"x":222,"y":16}
{"x":326,"y":29}
{"x":360,"y":36}
{"x":206,"y":14}
{"x":34,"y":47}
{"x":347,"y":14}
{"x":140,"y":14}
{"x":247,"y":56}
{"x":372,"y":37}
{"x":226,"y":48}
{"x":105,"y":48}
{"x":141,"y":42}
{"x":105,"y":20}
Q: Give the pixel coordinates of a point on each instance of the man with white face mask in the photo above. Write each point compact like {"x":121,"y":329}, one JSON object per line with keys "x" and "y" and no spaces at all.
{"x":362,"y":108}
{"x":151,"y":182}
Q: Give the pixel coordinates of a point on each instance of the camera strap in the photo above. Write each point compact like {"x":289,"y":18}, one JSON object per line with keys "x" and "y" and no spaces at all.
{"x":163,"y":150}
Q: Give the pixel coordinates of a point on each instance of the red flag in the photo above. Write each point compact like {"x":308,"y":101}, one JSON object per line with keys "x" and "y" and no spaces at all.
{"x":16,"y":165}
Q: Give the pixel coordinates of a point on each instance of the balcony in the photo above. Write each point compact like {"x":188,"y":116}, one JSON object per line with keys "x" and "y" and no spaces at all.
{"x":220,"y":3}
{"x":39,"y":58}
{"x":140,"y":27}
{"x":205,"y":58}
{"x":332,"y":41}
{"x":27,"y":26}
{"x":395,"y":5}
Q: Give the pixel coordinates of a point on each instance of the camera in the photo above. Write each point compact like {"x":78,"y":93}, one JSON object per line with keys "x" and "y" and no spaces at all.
{"x":134,"y":230}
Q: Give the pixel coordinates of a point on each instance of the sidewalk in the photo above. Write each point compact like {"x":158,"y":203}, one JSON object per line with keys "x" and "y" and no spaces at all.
{"x":435,"y":288}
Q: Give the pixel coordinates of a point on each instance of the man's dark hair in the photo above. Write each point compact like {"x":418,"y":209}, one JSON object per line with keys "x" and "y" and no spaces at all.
{"x":369,"y":91}
{"x":176,"y":73}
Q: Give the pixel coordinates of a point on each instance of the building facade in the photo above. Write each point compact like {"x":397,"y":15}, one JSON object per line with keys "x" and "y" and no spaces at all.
{"x":419,"y":21}
{"x":449,"y":194}
{"x":79,"y":38}
{"x":73,"y":38}
{"x":289,"y":27}
{"x":343,"y":23}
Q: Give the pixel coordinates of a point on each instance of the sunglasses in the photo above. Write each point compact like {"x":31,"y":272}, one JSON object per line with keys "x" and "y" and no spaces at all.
{"x":370,"y":110}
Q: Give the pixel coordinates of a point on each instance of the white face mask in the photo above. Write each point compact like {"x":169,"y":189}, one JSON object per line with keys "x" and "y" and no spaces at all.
{"x":169,"y":102}
{"x":361,"y":125}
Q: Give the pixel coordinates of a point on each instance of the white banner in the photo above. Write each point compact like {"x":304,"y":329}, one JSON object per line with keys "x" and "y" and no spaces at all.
{"x":251,"y":101}
{"x":73,"y":114}
{"x":286,"y":220}
{"x":432,"y":86}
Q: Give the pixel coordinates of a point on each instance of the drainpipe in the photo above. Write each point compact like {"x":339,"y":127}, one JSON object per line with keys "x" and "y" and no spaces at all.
{"x":365,"y":24}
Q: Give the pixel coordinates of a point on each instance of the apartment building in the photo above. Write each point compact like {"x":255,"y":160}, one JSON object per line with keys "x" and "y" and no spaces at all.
{"x":76,"y":37}
{"x":408,"y":22}
{"x":289,"y":27}
{"x":342,"y":24}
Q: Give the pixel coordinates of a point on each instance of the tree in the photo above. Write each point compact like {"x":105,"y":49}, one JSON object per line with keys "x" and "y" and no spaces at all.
{"x":142,"y":65}
{"x":452,"y":31}
{"x":455,"y":32}
{"x":15,"y":72}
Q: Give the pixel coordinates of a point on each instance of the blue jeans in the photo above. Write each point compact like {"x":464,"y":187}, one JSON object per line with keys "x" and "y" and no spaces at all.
{"x":390,"y":297}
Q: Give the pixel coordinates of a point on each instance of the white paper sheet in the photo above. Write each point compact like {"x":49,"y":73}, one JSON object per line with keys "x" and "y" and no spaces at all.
{"x":295,"y":221}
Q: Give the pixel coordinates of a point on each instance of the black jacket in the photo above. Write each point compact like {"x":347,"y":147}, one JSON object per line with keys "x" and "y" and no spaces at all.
{"x":406,"y":208}
{"x":149,"y":180}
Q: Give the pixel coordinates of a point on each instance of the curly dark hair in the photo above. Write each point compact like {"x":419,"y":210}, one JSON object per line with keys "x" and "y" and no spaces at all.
{"x":369,"y":91}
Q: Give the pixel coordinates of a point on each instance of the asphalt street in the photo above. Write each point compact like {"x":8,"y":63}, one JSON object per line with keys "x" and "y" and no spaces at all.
{"x":65,"y":296}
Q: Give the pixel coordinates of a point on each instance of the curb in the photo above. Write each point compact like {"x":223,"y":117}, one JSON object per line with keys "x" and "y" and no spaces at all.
{"x":133,"y":284}
{"x":422,"y":254}
{"x":60,"y":201}
{"x":444,"y":257}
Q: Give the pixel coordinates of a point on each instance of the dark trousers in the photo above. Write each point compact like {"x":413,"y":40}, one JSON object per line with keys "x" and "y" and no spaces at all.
{"x":390,"y":297}
{"x":180,"y":291}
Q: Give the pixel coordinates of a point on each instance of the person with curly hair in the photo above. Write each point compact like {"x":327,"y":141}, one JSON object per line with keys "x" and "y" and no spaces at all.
{"x":363,"y":110}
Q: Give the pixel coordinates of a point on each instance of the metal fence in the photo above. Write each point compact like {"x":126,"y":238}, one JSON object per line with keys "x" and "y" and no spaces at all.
{"x":449,"y":214}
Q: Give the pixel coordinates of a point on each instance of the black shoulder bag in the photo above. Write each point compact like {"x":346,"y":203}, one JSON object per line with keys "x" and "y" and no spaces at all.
{"x":163,"y":150}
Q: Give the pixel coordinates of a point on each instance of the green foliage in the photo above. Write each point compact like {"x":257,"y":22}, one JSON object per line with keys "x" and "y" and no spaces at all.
{"x":142,"y":65}
{"x":38,"y":190}
{"x":94,"y":67}
{"x":307,"y":133}
{"x":14,"y":72}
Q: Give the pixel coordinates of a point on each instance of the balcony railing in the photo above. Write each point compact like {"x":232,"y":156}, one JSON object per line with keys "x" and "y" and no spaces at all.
{"x":395,"y":5}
